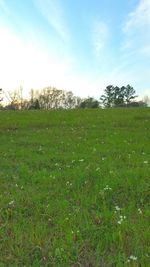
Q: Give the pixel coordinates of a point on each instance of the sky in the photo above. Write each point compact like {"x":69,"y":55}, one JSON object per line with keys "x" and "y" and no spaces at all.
{"x":76,"y":45}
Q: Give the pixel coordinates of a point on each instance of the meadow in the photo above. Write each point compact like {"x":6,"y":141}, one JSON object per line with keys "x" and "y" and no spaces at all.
{"x":75,"y":188}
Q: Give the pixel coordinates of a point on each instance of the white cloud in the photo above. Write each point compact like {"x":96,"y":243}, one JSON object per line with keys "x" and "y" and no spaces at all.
{"x":137,"y":29}
{"x":139,"y":18}
{"x":4,"y":7}
{"x":99,"y":36}
{"x":53,"y":13}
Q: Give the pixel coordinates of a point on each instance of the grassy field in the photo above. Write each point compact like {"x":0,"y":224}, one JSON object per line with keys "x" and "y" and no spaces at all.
{"x":75,"y":188}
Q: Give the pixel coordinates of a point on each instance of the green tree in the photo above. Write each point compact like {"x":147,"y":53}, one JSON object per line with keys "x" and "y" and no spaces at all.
{"x":117,"y":96}
{"x":129,"y":94}
{"x":107,"y":98}
{"x":89,"y":102}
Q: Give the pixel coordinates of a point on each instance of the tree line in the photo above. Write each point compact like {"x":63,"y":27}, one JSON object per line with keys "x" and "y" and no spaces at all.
{"x":53,"y":98}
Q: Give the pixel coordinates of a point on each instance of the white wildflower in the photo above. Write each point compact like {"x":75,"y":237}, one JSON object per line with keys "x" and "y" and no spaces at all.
{"x":117,"y":208}
{"x":68,"y":184}
{"x":11,"y":203}
{"x":133,"y":258}
{"x":140,"y":211}
{"x":121,"y":218}
{"x":107,"y":188}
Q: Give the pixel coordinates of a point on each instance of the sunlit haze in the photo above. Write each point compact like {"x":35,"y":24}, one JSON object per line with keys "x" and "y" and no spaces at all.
{"x":81,"y":46}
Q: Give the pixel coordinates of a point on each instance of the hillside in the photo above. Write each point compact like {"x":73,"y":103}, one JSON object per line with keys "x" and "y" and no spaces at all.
{"x":75,"y":188}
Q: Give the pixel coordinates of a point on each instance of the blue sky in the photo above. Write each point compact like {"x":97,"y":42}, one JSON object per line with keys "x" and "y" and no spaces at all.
{"x":76,"y":45}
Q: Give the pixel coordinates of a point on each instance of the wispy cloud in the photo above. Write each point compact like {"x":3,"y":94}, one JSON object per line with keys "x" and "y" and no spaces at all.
{"x":52,"y":11}
{"x":4,"y":7}
{"x":137,"y":29}
{"x":139,"y":18}
{"x":99,"y":36}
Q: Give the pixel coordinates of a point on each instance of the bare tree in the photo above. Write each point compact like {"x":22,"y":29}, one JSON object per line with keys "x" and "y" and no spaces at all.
{"x":53,"y":98}
{"x":1,"y":98}
{"x":15,"y":98}
{"x":146,"y":100}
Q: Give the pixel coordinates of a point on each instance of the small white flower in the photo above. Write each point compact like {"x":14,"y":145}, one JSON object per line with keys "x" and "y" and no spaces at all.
{"x":117,"y":208}
{"x":11,"y":202}
{"x":121,"y":217}
{"x":140,"y":211}
{"x":107,"y":188}
{"x":40,"y":148}
{"x":68,"y":184}
{"x":145,"y":162}
{"x":81,"y":160}
{"x":133,"y":258}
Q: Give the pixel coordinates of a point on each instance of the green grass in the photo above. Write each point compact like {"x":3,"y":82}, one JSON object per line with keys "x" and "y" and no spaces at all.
{"x":66,"y":177}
